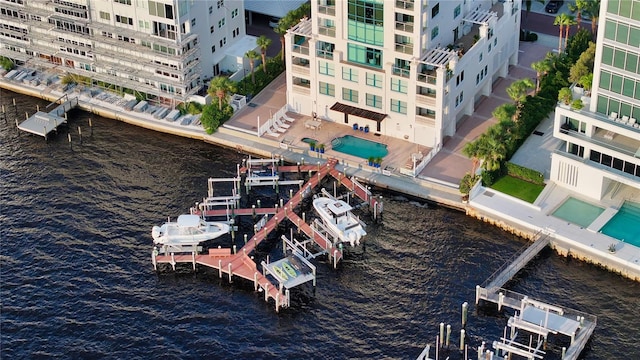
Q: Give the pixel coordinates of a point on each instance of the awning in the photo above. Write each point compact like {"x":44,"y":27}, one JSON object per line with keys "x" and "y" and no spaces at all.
{"x":352,"y":110}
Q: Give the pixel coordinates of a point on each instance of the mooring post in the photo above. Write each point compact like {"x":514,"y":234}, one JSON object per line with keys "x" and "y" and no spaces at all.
{"x":441,"y":334}
{"x":220,"y":268}
{"x":234,"y":249}
{"x":462,"y":339}
{"x":230,"y":273}
{"x":90,"y":127}
{"x":245,"y":239}
{"x":80,"y":134}
{"x":448,"y":335}
{"x":465,"y":308}
{"x":69,"y":136}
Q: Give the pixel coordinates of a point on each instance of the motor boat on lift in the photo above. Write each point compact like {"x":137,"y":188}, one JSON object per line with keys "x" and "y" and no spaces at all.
{"x":338,"y":218}
{"x":187,"y":230}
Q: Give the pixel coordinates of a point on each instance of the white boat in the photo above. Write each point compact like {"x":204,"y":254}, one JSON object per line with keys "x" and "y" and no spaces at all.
{"x":187,"y":230}
{"x":337,"y":217}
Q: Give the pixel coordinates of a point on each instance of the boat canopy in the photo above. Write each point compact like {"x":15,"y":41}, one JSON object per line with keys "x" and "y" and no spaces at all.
{"x":188,"y":221}
{"x":339,"y":207}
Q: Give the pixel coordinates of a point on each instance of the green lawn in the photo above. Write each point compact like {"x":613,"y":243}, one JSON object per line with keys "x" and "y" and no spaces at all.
{"x":518,"y":188}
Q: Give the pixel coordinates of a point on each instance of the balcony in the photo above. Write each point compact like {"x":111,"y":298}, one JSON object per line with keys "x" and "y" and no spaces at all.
{"x":327,"y":9}
{"x":402,"y":26}
{"x":404,"y":48}
{"x":399,"y":71}
{"x":426,"y":100}
{"x":426,"y":120}
{"x":327,"y":30}
{"x":404,"y":4}
{"x":300,"y":66}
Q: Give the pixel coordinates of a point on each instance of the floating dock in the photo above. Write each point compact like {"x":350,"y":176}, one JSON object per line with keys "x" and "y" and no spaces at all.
{"x":294,"y":269}
{"x":42,"y":123}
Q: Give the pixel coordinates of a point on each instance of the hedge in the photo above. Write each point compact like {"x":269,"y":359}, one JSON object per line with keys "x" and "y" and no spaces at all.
{"x":525,"y":174}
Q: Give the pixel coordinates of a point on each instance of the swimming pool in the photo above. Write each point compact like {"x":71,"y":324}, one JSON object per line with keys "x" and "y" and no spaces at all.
{"x":356,"y":146}
{"x":625,"y":224}
{"x":578,"y":212}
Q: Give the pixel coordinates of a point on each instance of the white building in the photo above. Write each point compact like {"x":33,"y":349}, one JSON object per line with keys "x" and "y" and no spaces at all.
{"x":410,"y":69}
{"x":602,"y":142}
{"x":165,"y":49}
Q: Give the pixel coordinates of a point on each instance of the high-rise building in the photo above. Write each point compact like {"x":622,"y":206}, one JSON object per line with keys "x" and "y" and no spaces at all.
{"x":601,"y":149}
{"x":163,"y":49}
{"x":409,"y":69}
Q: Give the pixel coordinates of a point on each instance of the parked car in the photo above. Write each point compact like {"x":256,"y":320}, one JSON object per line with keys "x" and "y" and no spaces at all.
{"x":273,"y":22}
{"x":553,"y":6}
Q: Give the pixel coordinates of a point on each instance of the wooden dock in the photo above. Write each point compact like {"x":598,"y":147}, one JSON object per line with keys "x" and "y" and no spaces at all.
{"x":240,"y":263}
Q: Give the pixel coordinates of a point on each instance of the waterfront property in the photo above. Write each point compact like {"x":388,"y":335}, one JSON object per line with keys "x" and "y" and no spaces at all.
{"x":601,"y":152}
{"x":405,"y":69}
{"x":163,"y":51}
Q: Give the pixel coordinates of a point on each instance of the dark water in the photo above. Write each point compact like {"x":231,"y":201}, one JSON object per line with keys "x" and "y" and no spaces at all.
{"x":77,"y":280}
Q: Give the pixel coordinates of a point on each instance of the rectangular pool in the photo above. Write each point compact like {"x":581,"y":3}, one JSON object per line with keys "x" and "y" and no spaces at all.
{"x":625,"y":224}
{"x":578,"y":212}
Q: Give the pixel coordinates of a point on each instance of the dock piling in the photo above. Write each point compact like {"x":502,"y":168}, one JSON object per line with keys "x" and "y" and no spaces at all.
{"x":70,"y":144}
{"x":80,"y":134}
{"x":462,"y":339}
{"x":465,"y":308}
{"x":90,"y":127}
{"x":448,"y":336}
{"x":441,"y":334}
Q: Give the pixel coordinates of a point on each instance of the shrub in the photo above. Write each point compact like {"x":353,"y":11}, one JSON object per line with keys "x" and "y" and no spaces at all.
{"x":6,"y":63}
{"x":490,"y":177}
{"x":467,"y":182}
{"x":525,"y":174}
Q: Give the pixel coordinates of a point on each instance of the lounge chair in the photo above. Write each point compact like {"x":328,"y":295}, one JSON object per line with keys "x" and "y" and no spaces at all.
{"x":271,"y":133}
{"x":613,"y":116}
{"x":286,"y":118}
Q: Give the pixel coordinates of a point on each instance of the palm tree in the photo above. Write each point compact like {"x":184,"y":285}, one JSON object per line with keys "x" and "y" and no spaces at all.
{"x":252,"y":55}
{"x":578,"y":9}
{"x":558,"y":21}
{"x":541,"y":67}
{"x":492,"y":150}
{"x":284,"y":25}
{"x":264,"y":43}
{"x":470,"y":149}
{"x":517,"y":91}
{"x":592,"y":9}
{"x":220,"y":87}
{"x":568,"y":22}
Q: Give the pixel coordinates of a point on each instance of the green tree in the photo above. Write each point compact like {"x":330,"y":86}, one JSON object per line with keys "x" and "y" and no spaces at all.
{"x":578,"y":8}
{"x":220,"y":87}
{"x":491,"y":150}
{"x":584,"y":64}
{"x":504,"y":112}
{"x":517,"y":91}
{"x":284,"y":25}
{"x":471,"y":150}
{"x":541,"y":67}
{"x":592,"y":10}
{"x":263,"y":42}
{"x":569,"y":21}
{"x":562,"y":21}
{"x":252,"y":55}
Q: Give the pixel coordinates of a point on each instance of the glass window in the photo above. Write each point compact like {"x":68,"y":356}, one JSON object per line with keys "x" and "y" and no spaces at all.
{"x":632,"y":62}
{"x":605,"y":80}
{"x":616,"y":83}
{"x":374,"y":101}
{"x":364,"y":55}
{"x":435,"y":10}
{"x":607,"y":55}
{"x":622,"y":35}
{"x":434,"y":32}
{"x":327,"y":89}
{"x":634,"y":33}
{"x":365,"y":22}
{"x":398,"y":106}
{"x":627,"y":87}
{"x":349,"y":74}
{"x":456,"y":12}
{"x":399,"y":85}
{"x":610,"y":30}
{"x":618,"y":59}
{"x":326,"y":68}
{"x":350,"y":95}
{"x":374,"y":80}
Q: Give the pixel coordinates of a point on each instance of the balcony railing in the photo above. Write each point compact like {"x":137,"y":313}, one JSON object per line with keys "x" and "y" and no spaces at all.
{"x":404,"y":48}
{"x":402,"y":26}
{"x":327,"y":9}
{"x":426,"y":120}
{"x":398,"y":71}
{"x":301,"y":89}
{"x":404,"y":4}
{"x":327,"y":30}
{"x":425,"y":100}
{"x":299,"y":49}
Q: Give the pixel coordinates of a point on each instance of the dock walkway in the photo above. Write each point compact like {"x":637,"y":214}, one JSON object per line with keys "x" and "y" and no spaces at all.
{"x":240,"y":263}
{"x":42,"y":123}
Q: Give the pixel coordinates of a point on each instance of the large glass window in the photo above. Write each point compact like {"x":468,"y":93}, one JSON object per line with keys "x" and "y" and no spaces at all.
{"x":364,"y":55}
{"x":399,"y":85}
{"x":366,"y":21}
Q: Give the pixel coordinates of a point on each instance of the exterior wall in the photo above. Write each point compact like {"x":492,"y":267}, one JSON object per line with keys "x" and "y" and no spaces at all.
{"x":429,"y":110}
{"x":118,"y":44}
